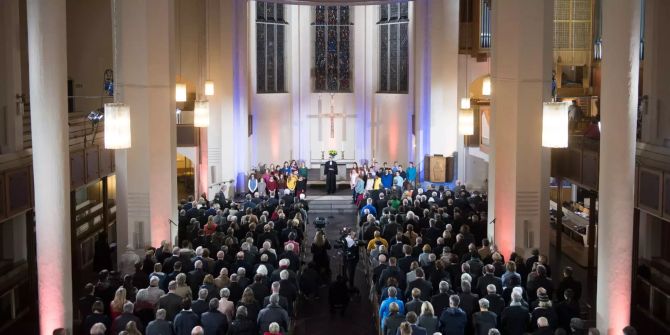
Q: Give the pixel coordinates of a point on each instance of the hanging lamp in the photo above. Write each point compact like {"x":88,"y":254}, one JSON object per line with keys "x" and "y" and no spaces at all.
{"x":555,"y":124}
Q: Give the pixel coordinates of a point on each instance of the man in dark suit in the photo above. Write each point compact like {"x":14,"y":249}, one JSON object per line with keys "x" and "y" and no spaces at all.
{"x":405,"y":263}
{"x":484,"y":320}
{"x":159,"y":326}
{"x":422,"y":284}
{"x":496,"y":301}
{"x":186,"y":319}
{"x":515,"y":318}
{"x":391,"y":271}
{"x":200,"y":305}
{"x":330,"y":170}
{"x":567,"y":282}
{"x":170,"y":302}
{"x":86,"y":302}
{"x":377,"y":271}
{"x":440,"y":301}
{"x":195,"y":277}
{"x":540,"y":280}
{"x":396,"y":247}
{"x":122,"y":320}
{"x":283,"y":302}
{"x":488,"y":279}
{"x":97,"y":316}
{"x":213,"y":321}
{"x":533,"y":259}
{"x":414,"y":305}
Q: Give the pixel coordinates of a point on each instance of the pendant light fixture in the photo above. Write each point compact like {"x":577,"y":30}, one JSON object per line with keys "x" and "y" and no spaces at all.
{"x":117,"y":114}
{"x":209,"y":84}
{"x":555,"y":124}
{"x":465,"y":102}
{"x":117,"y":126}
{"x":201,"y":114}
{"x":466,"y":122}
{"x":201,"y":105}
{"x":180,"y":87}
{"x":486,"y":86}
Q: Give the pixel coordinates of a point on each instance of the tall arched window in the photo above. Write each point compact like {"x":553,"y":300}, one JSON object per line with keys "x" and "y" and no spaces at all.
{"x":393,"y":47}
{"x":270,"y":46}
{"x":332,"y":48}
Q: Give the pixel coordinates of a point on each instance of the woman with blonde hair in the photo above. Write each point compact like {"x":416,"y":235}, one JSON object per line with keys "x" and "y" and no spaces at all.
{"x":320,"y":248}
{"x":405,"y":328}
{"x":116,"y":306}
{"x":427,"y":319}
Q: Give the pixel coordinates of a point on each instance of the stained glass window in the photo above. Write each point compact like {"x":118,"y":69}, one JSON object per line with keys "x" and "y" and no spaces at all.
{"x":393,"y":47}
{"x":332,"y":48}
{"x":270,"y":40}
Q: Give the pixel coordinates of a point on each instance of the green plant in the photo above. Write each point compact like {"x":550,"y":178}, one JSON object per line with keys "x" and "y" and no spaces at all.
{"x":332,"y":152}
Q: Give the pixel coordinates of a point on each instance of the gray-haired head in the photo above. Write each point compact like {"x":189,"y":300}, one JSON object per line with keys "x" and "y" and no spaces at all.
{"x":172,"y":285}
{"x":392,"y":291}
{"x":491,"y":289}
{"x":283,"y":275}
{"x":444,"y":286}
{"x":203,"y":293}
{"x":276,"y":286}
{"x":241,"y":312}
{"x":160,"y":314}
{"x":154,"y":281}
{"x":494,"y":331}
{"x":516,"y":296}
{"x":274,"y":299}
{"x":128,"y":307}
{"x":224,"y":293}
{"x":484,"y":303}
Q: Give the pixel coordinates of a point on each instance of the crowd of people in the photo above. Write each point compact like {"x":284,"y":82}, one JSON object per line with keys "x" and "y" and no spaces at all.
{"x":433,"y":270}
{"x":238,"y":271}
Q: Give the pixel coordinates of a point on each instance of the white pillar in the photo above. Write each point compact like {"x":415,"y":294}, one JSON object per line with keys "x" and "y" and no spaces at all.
{"x":620,"y":68}
{"x":232,"y":70}
{"x":436,"y":77}
{"x":51,"y":162}
{"x":519,"y":166}
{"x":144,"y":71}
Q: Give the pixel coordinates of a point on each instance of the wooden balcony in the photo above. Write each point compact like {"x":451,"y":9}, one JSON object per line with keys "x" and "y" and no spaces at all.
{"x":579,"y":162}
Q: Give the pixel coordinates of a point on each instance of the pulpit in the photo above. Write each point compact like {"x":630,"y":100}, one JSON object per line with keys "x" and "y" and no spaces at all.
{"x":438,"y":169}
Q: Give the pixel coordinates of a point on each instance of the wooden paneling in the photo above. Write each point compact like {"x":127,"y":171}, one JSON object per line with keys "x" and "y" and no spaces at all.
{"x":19,"y":190}
{"x":187,"y":135}
{"x":77,"y":169}
{"x":92,"y":165}
{"x":649,"y":190}
{"x":3,"y":203}
{"x":574,"y":170}
{"x":590,"y":169}
{"x":106,"y":162}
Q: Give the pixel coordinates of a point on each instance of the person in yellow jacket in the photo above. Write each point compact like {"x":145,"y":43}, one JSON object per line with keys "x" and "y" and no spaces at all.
{"x":373,"y":242}
{"x":292,"y":181}
{"x":377,"y":184}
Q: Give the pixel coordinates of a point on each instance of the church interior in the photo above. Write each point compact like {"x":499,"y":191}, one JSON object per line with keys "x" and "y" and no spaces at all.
{"x":210,"y":152}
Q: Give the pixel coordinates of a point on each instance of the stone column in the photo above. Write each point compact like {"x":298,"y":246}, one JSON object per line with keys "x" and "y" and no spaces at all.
{"x":47,"y":57}
{"x":519,"y":166}
{"x":436,"y":77}
{"x":620,"y":69}
{"x":144,"y":71}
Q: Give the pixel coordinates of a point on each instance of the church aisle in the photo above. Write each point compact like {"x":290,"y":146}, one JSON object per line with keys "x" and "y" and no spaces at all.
{"x":314,"y":317}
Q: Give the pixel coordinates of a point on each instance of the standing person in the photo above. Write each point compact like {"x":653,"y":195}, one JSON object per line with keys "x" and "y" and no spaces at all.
{"x":330,"y":170}
{"x":353,"y":178}
{"x":252,"y":184}
{"x":411,"y":174}
{"x":303,"y":171}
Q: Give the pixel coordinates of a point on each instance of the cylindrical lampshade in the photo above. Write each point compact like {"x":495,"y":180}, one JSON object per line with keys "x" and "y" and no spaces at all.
{"x":209,"y":88}
{"x":555,"y":125}
{"x":486,"y":86}
{"x":201,"y":114}
{"x":465,"y":103}
{"x":180,"y":92}
{"x":117,"y":126}
{"x":466,"y":122}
